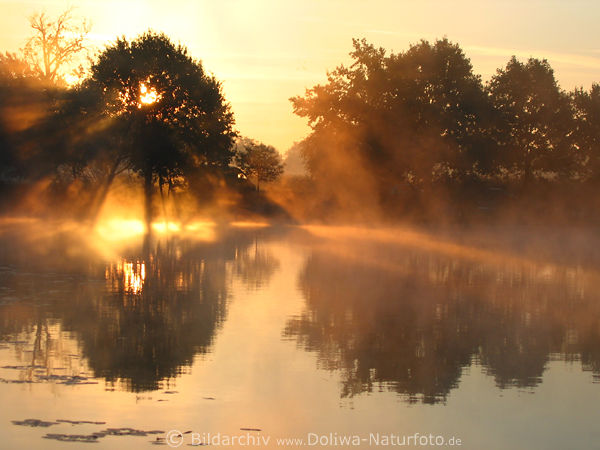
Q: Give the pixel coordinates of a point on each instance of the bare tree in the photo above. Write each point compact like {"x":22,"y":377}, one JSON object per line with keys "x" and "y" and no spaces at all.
{"x":54,"y":44}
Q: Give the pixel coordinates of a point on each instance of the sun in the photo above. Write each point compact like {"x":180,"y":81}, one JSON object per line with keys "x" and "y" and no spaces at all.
{"x":148,"y":96}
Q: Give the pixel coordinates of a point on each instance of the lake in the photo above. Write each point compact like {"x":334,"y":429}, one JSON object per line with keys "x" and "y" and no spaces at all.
{"x":248,"y":335}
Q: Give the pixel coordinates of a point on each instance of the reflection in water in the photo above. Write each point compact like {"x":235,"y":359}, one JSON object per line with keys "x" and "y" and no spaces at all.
{"x":411,"y":321}
{"x":154,"y":314}
{"x":48,"y":354}
{"x":144,"y":333}
{"x":45,"y":350}
{"x":383,"y":315}
{"x":126,"y":276}
{"x":160,"y":312}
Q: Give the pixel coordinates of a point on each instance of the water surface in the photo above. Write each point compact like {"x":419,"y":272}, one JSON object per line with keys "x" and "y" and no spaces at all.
{"x":314,"y":333}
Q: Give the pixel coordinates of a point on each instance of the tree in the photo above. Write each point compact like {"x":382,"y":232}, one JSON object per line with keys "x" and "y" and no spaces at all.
{"x":260,"y":161}
{"x":172,"y":116}
{"x":54,"y":44}
{"x":535,"y":118}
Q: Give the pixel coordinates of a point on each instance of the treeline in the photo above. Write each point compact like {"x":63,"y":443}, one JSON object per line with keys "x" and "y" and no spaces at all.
{"x":415,"y":135}
{"x":418,"y":134}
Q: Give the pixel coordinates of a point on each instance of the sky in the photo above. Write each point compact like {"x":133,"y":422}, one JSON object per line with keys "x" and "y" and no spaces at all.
{"x":266,"y":51}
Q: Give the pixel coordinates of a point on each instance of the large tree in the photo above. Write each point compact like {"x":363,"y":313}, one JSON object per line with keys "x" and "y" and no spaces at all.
{"x":170,"y":116}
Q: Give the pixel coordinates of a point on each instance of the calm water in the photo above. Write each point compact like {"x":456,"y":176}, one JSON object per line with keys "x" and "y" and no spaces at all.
{"x":321,"y":334}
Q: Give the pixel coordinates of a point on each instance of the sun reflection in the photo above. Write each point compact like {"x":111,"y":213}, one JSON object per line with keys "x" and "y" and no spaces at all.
{"x":131,"y":275}
{"x":147,"y":96}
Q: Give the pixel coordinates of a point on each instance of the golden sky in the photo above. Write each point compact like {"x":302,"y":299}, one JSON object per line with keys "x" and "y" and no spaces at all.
{"x":265,"y":51}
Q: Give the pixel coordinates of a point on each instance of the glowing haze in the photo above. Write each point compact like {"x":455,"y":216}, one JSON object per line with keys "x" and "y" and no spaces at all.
{"x":265,"y":51}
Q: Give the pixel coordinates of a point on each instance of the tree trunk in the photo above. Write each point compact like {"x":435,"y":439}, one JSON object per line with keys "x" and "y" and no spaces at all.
{"x":148,"y":198}
{"x":100,"y":198}
{"x":528,"y":169}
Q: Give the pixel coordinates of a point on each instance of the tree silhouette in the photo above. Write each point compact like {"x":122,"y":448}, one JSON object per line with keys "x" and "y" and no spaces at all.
{"x":174,"y":117}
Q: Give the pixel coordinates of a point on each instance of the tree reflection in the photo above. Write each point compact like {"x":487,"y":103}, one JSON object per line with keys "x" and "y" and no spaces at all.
{"x":155,"y":320}
{"x":411,"y":322}
{"x":157,"y":310}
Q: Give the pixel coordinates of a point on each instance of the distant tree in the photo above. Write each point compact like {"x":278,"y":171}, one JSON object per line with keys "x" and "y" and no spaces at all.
{"x":586,"y":106}
{"x":259,"y":161}
{"x":172,"y":116}
{"x":55,"y":43}
{"x":535,"y":124}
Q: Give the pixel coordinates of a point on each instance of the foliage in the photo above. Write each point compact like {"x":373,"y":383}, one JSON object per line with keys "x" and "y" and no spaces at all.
{"x":31,"y":85}
{"x":389,"y":128}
